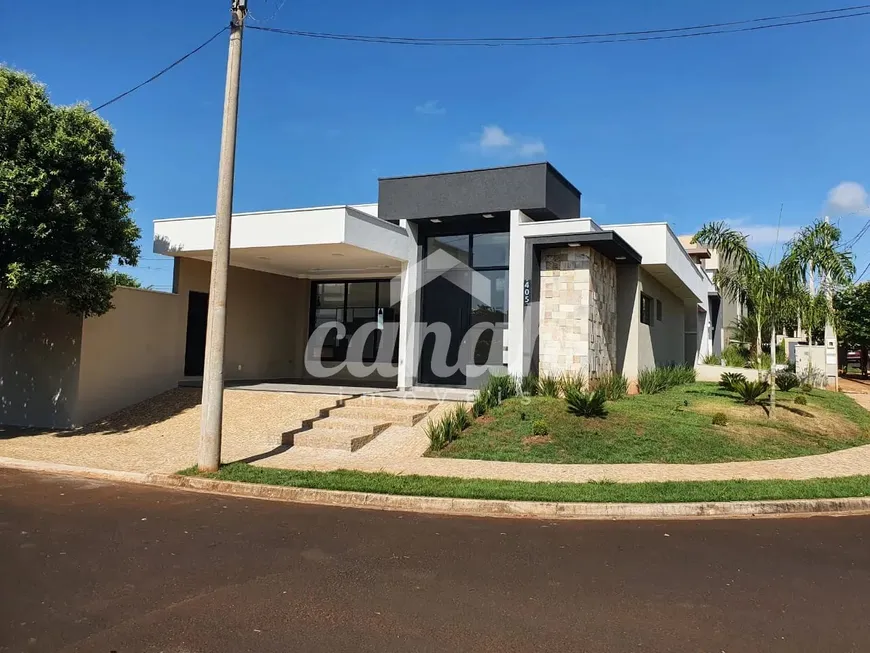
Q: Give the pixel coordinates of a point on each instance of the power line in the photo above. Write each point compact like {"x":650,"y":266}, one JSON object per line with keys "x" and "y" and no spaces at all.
{"x":861,"y":276}
{"x":165,"y":70}
{"x":270,"y":18}
{"x":749,"y":25}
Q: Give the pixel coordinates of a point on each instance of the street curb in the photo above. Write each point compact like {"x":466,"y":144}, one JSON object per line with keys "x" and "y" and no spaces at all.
{"x":461,"y":507}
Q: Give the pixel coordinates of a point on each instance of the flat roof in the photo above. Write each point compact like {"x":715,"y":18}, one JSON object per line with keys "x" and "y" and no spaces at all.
{"x":549,"y":165}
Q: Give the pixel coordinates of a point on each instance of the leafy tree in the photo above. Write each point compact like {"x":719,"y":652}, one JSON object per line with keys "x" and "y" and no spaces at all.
{"x":123,"y":279}
{"x":853,"y":319}
{"x":64,"y":210}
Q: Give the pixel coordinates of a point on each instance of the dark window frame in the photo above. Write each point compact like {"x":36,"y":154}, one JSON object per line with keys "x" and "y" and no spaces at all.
{"x":659,"y":310}
{"x":312,"y":312}
{"x":646,"y":309}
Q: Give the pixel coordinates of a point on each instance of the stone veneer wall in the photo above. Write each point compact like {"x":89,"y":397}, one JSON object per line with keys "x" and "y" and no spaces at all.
{"x":577,"y":312}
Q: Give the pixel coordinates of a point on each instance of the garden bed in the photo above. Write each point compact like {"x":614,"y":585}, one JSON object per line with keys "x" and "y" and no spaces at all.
{"x":674,"y":426}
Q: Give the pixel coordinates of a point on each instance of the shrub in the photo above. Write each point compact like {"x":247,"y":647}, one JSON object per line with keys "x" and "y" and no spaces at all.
{"x":529,"y":385}
{"x":501,"y":387}
{"x":800,"y":400}
{"x":570,"y":381}
{"x":445,"y":430}
{"x":461,"y":417}
{"x":481,"y":402}
{"x":750,"y":391}
{"x":720,"y":419}
{"x":712,"y":359}
{"x":728,"y":379}
{"x":734,"y":356}
{"x":540,"y":427}
{"x":656,"y":379}
{"x":614,"y":386}
{"x":548,"y":386}
{"x":496,"y":389}
{"x":435,"y":432}
{"x":586,"y":404}
{"x":650,"y":381}
{"x":786,"y":381}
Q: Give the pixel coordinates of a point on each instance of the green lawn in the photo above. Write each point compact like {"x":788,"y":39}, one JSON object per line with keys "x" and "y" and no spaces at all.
{"x":671,"y":427}
{"x":431,"y":486}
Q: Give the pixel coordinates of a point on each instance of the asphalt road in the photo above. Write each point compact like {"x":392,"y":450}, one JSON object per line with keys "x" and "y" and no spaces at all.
{"x":93,"y":566}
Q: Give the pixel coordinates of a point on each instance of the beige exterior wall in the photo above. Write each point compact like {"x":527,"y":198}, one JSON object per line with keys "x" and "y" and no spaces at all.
{"x":39,"y":367}
{"x":662,"y":342}
{"x":627,"y":319}
{"x":577,"y":312}
{"x":131,"y":353}
{"x":267,"y":319}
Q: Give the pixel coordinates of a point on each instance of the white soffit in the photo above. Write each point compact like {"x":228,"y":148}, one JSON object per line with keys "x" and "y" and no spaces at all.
{"x":328,"y":226}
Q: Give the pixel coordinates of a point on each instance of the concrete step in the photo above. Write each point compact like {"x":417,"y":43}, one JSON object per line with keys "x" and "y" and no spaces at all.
{"x":404,"y":416}
{"x":331,"y":439}
{"x":360,"y":426}
{"x":391,"y":402}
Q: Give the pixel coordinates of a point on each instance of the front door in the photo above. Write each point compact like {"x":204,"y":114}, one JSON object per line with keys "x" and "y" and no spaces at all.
{"x":446,"y":302}
{"x":197,"y":319}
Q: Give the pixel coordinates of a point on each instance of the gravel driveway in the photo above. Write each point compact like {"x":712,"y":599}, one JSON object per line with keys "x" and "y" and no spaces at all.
{"x":161,"y":434}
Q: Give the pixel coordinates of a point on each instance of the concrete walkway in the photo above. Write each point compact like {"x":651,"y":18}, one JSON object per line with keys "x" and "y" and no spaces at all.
{"x":134,"y":442}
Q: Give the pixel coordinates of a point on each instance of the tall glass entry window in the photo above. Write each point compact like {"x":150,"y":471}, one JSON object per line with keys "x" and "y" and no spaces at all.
{"x":467,"y":291}
{"x":352,"y":304}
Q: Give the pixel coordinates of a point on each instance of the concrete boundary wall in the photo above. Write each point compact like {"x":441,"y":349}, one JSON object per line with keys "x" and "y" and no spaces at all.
{"x":59,"y":371}
{"x":131,"y":353}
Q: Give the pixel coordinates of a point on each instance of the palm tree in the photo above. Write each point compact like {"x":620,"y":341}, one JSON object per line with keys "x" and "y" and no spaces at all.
{"x":743,"y":276}
{"x":738,"y":269}
{"x":815,"y":251}
{"x":776,"y":292}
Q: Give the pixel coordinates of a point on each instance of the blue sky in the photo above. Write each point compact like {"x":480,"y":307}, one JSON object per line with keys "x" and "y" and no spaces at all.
{"x":725,"y":127}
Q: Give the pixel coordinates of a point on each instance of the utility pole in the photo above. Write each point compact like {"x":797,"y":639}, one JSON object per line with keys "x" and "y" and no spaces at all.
{"x":832,"y":372}
{"x":213,"y":373}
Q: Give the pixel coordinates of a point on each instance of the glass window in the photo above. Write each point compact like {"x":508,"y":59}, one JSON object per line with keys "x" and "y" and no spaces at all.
{"x":455,"y":246}
{"x":645,"y":309}
{"x":384,"y":289}
{"x":489,"y":296}
{"x":659,"y":310}
{"x":353,"y":304}
{"x":330,"y":295}
{"x":361,"y":293}
{"x":490,"y":250}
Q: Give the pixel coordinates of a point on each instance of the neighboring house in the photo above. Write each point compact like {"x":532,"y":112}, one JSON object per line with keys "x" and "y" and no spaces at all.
{"x":477,"y":271}
{"x":724,"y":311}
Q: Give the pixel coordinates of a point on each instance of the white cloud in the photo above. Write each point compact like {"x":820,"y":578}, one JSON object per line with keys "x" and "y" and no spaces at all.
{"x":430,"y":108}
{"x":495,"y":141}
{"x":760,"y":235}
{"x":494,"y":137}
{"x":847,"y":197}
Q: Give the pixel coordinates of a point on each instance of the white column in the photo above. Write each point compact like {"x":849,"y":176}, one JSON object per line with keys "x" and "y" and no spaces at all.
{"x":409,"y":312}
{"x":519,"y":340}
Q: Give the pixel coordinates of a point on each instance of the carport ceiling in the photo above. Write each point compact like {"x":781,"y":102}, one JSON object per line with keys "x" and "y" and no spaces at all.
{"x":311,"y":260}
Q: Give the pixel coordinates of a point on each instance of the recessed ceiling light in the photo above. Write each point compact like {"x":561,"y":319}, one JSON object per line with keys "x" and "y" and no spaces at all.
{"x":337,"y":254}
{"x":435,"y":220}
{"x":488,"y":215}
{"x":263,"y":258}
{"x":573,"y":244}
{"x":620,"y":258}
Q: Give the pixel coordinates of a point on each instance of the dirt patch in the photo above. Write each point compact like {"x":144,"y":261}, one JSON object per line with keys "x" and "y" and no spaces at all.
{"x":793,"y":423}
{"x":537,"y":439}
{"x":485,"y":419}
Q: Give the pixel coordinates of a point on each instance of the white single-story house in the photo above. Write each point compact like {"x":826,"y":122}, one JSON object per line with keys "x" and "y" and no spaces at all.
{"x":557,"y":292}
{"x":448,"y":278}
